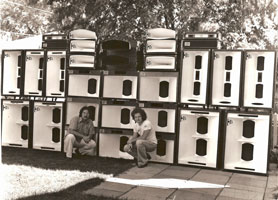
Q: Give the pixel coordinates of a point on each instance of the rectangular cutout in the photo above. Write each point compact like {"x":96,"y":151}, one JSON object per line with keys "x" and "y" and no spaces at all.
{"x":227,"y":90}
{"x":259,"y":91}
{"x":260,"y":63}
{"x":197,"y":75}
{"x":228,"y":76}
{"x":260,"y":77}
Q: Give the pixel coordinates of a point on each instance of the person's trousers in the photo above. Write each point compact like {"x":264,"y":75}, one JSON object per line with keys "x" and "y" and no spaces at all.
{"x":84,"y":148}
{"x":139,"y":150}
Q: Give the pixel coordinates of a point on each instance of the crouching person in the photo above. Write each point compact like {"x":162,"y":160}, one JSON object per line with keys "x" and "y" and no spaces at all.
{"x":143,"y":139}
{"x":80,"y":135}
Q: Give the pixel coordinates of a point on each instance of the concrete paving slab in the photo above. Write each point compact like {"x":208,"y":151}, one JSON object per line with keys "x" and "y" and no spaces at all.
{"x":184,"y":168}
{"x":211,"y":178}
{"x":103,"y":192}
{"x":115,"y":186}
{"x":216,"y":172}
{"x":189,"y":195}
{"x":179,"y":174}
{"x":150,"y":169}
{"x":271,"y":193}
{"x":272,"y":182}
{"x":210,"y":191}
{"x":245,"y":187}
{"x":247,"y":181}
{"x":228,"y":198}
{"x":147,"y":193}
{"x":241,"y":194}
{"x":250,"y":176}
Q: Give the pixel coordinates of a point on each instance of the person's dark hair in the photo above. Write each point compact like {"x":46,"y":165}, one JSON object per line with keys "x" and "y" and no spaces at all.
{"x":141,"y":112}
{"x":82,"y":109}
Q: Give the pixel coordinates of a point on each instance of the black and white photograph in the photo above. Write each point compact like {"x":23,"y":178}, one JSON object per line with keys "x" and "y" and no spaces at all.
{"x":139,"y":99}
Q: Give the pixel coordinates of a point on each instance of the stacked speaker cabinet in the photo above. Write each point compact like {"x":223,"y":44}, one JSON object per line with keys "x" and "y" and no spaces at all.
{"x":120,"y":85}
{"x":15,"y":123}
{"x":160,"y":52}
{"x":12,"y":72}
{"x":117,"y":114}
{"x":112,"y":142}
{"x":259,"y":78}
{"x":34,"y":73}
{"x":158,"y":86}
{"x":202,"y":40}
{"x":55,"y":41}
{"x":118,"y":55}
{"x":75,"y":104}
{"x":48,"y":125}
{"x":163,"y":119}
{"x":116,"y":128}
{"x":194,"y":76}
{"x":226,"y":77}
{"x":84,"y":83}
{"x":56,"y":73}
{"x":246,"y":145}
{"x":198,"y":138}
{"x":82,"y":49}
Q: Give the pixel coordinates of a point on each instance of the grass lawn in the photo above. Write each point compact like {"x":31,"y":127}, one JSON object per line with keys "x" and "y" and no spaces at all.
{"x":37,"y":174}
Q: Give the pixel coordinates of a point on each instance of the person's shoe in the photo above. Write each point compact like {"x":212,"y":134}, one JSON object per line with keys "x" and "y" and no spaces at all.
{"x":149,"y":156}
{"x":142,"y":166}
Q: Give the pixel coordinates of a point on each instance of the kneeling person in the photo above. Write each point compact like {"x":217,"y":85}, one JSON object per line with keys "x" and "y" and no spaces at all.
{"x":80,"y":135}
{"x":143,"y":139}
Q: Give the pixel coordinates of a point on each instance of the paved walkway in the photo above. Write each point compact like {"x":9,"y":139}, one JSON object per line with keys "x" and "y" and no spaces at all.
{"x":241,"y":186}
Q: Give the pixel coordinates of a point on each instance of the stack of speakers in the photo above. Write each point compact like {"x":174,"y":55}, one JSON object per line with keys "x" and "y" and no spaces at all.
{"x":119,"y":95}
{"x":199,"y":126}
{"x":84,"y":78}
{"x":158,"y":89}
{"x":210,"y":107}
{"x":30,"y":76}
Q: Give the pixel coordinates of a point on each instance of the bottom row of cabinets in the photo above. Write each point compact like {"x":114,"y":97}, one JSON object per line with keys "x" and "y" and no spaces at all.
{"x":217,"y":139}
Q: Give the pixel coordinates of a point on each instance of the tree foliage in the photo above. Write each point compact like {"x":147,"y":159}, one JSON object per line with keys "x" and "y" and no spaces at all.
{"x":242,"y":23}
{"x":24,"y":18}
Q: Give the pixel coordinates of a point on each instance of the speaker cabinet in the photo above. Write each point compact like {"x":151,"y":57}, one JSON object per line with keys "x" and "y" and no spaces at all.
{"x":15,"y":123}
{"x":111,"y":143}
{"x":84,"y":85}
{"x":259,"y":79}
{"x":82,"y":34}
{"x":164,"y":152}
{"x":75,"y":104}
{"x":158,"y":86}
{"x":161,"y":46}
{"x":194,"y":76}
{"x":12,"y":72}
{"x":55,"y":73}
{"x":34,"y":73}
{"x":202,"y":40}
{"x":47,"y":126}
{"x":162,"y":117}
{"x":54,"y":41}
{"x":118,"y":55}
{"x":226,"y":77}
{"x":198,"y":138}
{"x":120,"y":86}
{"x":160,"y":62}
{"x":246,"y":145}
{"x":160,"y":33}
{"x":117,"y":116}
{"x":82,"y":61}
{"x":88,"y":46}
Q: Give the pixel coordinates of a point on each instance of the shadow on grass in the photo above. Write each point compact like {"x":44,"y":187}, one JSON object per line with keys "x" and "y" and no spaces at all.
{"x":57,"y":161}
{"x":73,"y":193}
